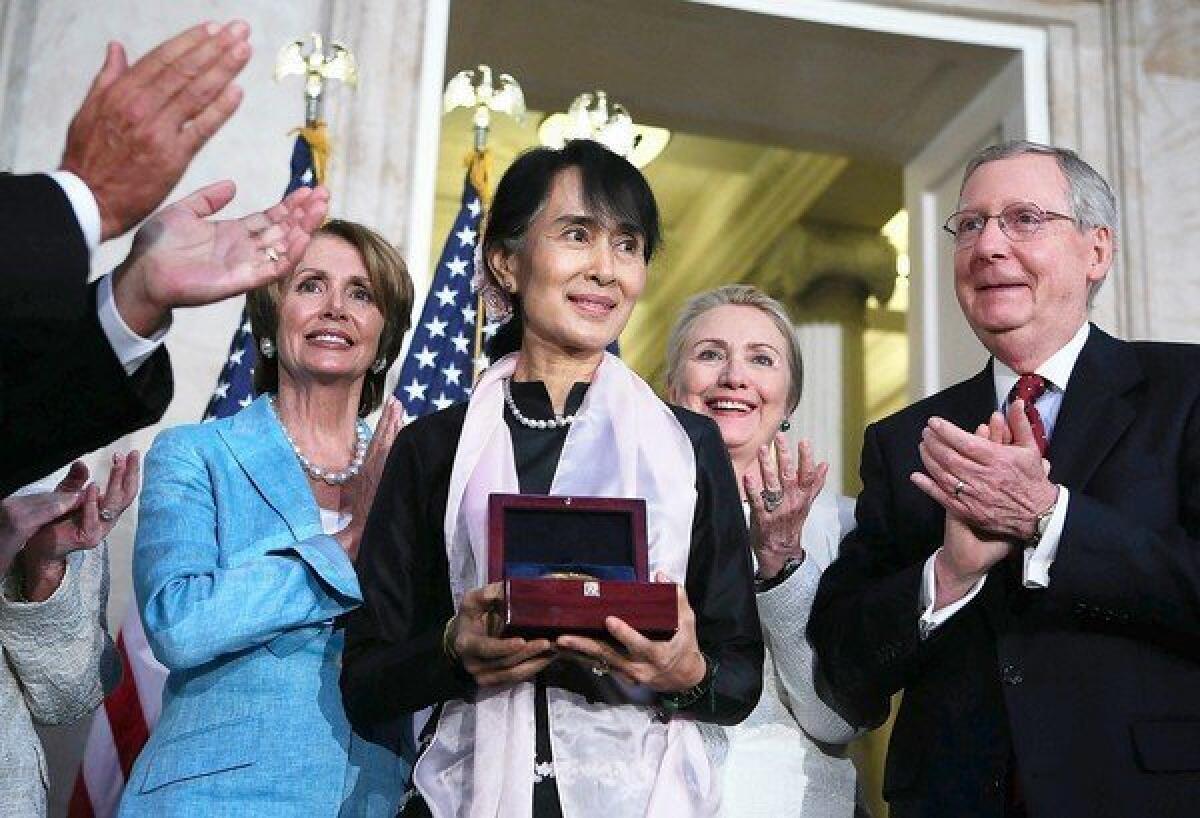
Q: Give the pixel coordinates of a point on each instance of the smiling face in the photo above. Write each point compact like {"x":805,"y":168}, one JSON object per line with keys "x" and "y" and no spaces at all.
{"x":735,"y":370}
{"x":329,"y":323}
{"x":577,"y":274}
{"x":1025,"y":299}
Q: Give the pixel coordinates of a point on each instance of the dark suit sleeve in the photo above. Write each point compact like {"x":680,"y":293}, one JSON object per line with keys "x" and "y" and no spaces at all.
{"x":72,"y":397}
{"x":864,"y":621}
{"x":393,"y":661}
{"x":45,"y":261}
{"x":1111,"y":568}
{"x":720,"y":588}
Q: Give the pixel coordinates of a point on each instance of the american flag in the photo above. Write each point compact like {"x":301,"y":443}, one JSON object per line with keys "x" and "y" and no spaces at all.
{"x":235,"y":386}
{"x":121,"y":727}
{"x":442,"y":359}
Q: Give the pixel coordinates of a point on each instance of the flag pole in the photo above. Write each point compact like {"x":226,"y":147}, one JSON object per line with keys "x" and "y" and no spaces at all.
{"x":479,"y":168}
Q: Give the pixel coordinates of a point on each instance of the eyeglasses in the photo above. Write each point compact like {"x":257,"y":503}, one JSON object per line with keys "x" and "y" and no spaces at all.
{"x":1020,"y":221}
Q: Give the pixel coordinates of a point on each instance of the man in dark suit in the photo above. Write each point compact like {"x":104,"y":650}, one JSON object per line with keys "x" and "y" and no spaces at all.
{"x":83,"y":365}
{"x":1026,"y":567}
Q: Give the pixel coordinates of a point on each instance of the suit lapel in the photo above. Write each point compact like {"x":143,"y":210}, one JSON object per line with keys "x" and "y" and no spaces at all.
{"x":256,"y":440}
{"x":1096,"y":409}
{"x":975,"y":403}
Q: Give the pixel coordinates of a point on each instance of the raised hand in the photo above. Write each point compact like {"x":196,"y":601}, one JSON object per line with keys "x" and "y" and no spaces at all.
{"x":87,"y":525}
{"x":73,"y":517}
{"x":181,"y":258}
{"x":358,"y":494}
{"x":139,"y":126}
{"x":967,"y":555}
{"x":491,"y":660}
{"x":776,"y":528}
{"x":669,"y":666}
{"x":21,"y":516}
{"x":997,"y":487}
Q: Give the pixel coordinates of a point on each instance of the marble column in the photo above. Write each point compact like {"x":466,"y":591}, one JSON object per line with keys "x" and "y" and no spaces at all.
{"x":831,"y":318}
{"x":824,"y":274}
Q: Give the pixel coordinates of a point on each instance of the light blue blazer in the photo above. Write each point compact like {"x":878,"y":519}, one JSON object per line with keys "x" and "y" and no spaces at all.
{"x":238,"y":588}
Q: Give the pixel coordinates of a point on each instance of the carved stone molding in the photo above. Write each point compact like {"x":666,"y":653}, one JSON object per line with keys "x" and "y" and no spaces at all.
{"x":806,"y":254}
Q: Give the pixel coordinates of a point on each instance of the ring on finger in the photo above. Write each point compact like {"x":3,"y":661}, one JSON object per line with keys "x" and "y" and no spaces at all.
{"x":107,"y":515}
{"x":772,"y":499}
{"x":958,"y":488}
{"x":272,"y":253}
{"x":601,"y":668}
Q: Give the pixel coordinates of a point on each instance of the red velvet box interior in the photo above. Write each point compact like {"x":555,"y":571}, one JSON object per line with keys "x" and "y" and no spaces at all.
{"x":598,"y":543}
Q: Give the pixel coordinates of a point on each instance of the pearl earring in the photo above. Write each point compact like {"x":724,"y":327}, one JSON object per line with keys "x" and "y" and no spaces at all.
{"x":267,"y":347}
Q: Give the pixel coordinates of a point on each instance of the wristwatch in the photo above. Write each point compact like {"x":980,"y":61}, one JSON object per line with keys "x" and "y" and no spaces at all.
{"x":1042,"y":521}
{"x":764,"y":584}
{"x":671,"y":703}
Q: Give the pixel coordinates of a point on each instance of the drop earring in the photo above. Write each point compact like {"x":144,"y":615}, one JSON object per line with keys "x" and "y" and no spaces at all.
{"x":379,"y":365}
{"x":785,"y":425}
{"x":267,"y":347}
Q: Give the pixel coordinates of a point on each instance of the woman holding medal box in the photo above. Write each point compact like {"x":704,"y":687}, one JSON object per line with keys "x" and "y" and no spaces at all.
{"x":515,"y":731}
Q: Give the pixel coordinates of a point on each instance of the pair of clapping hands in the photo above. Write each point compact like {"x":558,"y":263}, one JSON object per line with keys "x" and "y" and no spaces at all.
{"x":43,"y":528}
{"x":130,"y":142}
{"x":669,"y":666}
{"x":994,"y":486}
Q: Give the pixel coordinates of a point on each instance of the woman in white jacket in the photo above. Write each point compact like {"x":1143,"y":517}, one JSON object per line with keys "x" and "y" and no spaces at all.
{"x":56,"y":658}
{"x":734,"y":356}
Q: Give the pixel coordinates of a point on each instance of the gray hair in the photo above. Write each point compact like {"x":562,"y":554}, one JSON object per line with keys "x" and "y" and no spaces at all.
{"x":1092,"y":201}
{"x":738,"y":295}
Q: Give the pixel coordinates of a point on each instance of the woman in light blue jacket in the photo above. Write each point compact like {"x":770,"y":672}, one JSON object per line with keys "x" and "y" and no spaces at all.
{"x":247,"y":535}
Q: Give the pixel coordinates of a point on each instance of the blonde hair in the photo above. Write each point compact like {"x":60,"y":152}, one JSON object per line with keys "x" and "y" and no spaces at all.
{"x":738,"y":295}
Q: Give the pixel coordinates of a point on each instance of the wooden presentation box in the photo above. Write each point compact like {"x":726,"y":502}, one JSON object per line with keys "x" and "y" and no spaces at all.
{"x":569,"y":562}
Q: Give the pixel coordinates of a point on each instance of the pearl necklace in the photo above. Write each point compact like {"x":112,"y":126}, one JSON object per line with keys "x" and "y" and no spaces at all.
{"x":558,"y":421}
{"x":362,"y":435}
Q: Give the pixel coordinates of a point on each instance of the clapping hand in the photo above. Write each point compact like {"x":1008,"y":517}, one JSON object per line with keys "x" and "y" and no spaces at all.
{"x":998,"y":486}
{"x":140,"y":125}
{"x":776,"y":526}
{"x":181,"y":258}
{"x":967,"y":555}
{"x":85,"y":518}
{"x":358,"y":494}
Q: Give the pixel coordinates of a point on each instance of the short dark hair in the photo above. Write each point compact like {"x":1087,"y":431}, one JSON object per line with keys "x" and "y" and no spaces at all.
{"x":393,"y":291}
{"x":612,"y":188}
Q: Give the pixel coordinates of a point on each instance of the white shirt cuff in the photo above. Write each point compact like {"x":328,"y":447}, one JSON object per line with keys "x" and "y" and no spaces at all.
{"x":87,"y":212}
{"x":1038,"y":559}
{"x":931,"y":620}
{"x":132,"y":349}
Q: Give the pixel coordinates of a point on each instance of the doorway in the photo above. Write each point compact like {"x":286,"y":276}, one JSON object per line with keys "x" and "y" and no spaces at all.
{"x":799,"y":130}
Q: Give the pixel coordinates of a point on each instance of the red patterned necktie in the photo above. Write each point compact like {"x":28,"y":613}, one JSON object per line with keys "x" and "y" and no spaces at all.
{"x":1029,"y":388}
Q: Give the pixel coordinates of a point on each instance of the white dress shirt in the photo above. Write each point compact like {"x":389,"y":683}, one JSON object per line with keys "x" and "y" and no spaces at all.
{"x":131,"y":349}
{"x":1037,"y":559}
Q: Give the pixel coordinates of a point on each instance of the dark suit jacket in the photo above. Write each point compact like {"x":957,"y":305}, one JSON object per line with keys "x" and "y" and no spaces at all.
{"x":44,"y":264}
{"x":63,"y":392}
{"x":1093,"y":684}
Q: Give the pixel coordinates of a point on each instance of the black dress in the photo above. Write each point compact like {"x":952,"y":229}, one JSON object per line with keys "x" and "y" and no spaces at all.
{"x":393,"y":661}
